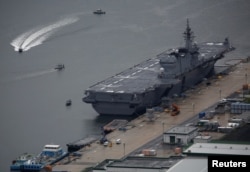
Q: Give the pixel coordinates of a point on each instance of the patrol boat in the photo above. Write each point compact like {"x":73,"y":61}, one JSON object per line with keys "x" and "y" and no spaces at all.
{"x":166,"y":75}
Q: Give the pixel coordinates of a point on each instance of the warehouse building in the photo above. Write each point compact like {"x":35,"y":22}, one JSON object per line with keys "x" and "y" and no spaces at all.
{"x":218,"y":149}
{"x":181,"y":135}
{"x":138,"y":164}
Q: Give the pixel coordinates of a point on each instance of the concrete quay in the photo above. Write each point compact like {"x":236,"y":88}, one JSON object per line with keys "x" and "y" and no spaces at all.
{"x":141,"y":130}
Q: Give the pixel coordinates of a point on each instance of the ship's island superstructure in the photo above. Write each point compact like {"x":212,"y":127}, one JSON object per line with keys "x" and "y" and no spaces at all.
{"x":169,"y":73}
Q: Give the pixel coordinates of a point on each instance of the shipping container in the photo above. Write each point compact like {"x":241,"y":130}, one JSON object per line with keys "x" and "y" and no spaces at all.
{"x":202,"y":115}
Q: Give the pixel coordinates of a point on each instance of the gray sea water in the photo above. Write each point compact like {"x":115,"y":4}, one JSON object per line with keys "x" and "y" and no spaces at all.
{"x":92,"y":47}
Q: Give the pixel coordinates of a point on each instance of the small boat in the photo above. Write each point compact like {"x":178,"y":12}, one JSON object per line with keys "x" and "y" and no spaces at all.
{"x":99,"y":11}
{"x":20,"y":50}
{"x":68,"y":102}
{"x":50,"y":154}
{"x":18,"y":162}
{"x":60,"y":67}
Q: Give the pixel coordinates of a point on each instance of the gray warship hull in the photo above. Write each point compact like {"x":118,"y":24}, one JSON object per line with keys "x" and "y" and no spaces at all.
{"x":168,"y":74}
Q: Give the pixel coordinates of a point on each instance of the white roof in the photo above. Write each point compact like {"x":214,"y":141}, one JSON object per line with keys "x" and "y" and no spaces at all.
{"x":181,"y":130}
{"x":218,"y":149}
{"x":203,"y":137}
{"x":52,"y":146}
{"x":197,"y":164}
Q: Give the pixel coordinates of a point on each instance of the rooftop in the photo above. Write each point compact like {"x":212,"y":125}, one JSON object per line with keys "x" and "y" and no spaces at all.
{"x":218,"y":149}
{"x":141,"y":162}
{"x":203,"y":137}
{"x":198,"y":164}
{"x":181,"y":130}
{"x":51,"y":146}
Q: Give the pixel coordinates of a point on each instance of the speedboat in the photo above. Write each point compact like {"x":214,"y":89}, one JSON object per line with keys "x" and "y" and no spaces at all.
{"x":99,"y":11}
{"x":68,"y":102}
{"x":20,"y":50}
{"x":60,"y":67}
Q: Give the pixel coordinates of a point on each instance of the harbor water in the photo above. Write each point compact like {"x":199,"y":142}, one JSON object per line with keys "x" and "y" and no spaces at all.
{"x":92,"y":47}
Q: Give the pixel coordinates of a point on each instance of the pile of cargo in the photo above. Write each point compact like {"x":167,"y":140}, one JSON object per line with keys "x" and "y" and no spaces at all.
{"x":238,"y":107}
{"x":149,"y":152}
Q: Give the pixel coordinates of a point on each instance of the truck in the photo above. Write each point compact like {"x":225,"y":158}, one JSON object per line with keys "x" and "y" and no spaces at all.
{"x":175,"y":110}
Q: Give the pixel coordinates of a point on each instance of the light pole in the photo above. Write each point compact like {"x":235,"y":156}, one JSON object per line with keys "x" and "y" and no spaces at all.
{"x":220,"y":93}
{"x":246,"y":77}
{"x":245,"y":86}
{"x":123,"y":149}
{"x":193,"y":105}
{"x":163,"y":126}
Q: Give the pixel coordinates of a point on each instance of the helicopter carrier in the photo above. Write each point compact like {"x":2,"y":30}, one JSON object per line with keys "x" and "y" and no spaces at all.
{"x":145,"y":84}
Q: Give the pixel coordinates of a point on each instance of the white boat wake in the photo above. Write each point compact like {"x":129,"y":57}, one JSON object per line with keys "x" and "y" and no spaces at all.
{"x":28,"y":75}
{"x":37,"y":36}
{"x":35,"y":74}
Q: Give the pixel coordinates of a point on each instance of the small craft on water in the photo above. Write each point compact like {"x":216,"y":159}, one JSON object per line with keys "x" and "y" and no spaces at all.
{"x":99,"y":11}
{"x":60,"y":67}
{"x":50,"y":154}
{"x":20,"y":161}
{"x":20,"y":50}
{"x":68,"y":102}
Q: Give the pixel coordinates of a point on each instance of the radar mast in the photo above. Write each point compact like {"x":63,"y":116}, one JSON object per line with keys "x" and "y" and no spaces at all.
{"x":188,"y":36}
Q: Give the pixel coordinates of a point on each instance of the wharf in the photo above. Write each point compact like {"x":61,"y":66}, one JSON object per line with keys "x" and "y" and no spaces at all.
{"x":79,"y":144}
{"x":115,"y":124}
{"x":142,"y":130}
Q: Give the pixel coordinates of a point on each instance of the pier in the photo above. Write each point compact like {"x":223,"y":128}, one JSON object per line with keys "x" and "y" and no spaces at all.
{"x":81,"y":143}
{"x":115,"y":124}
{"x":142,"y":130}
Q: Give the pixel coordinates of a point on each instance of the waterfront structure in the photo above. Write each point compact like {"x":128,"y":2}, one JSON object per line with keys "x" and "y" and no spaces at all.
{"x":166,"y":75}
{"x":141,"y":125}
{"x":180,"y":135}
